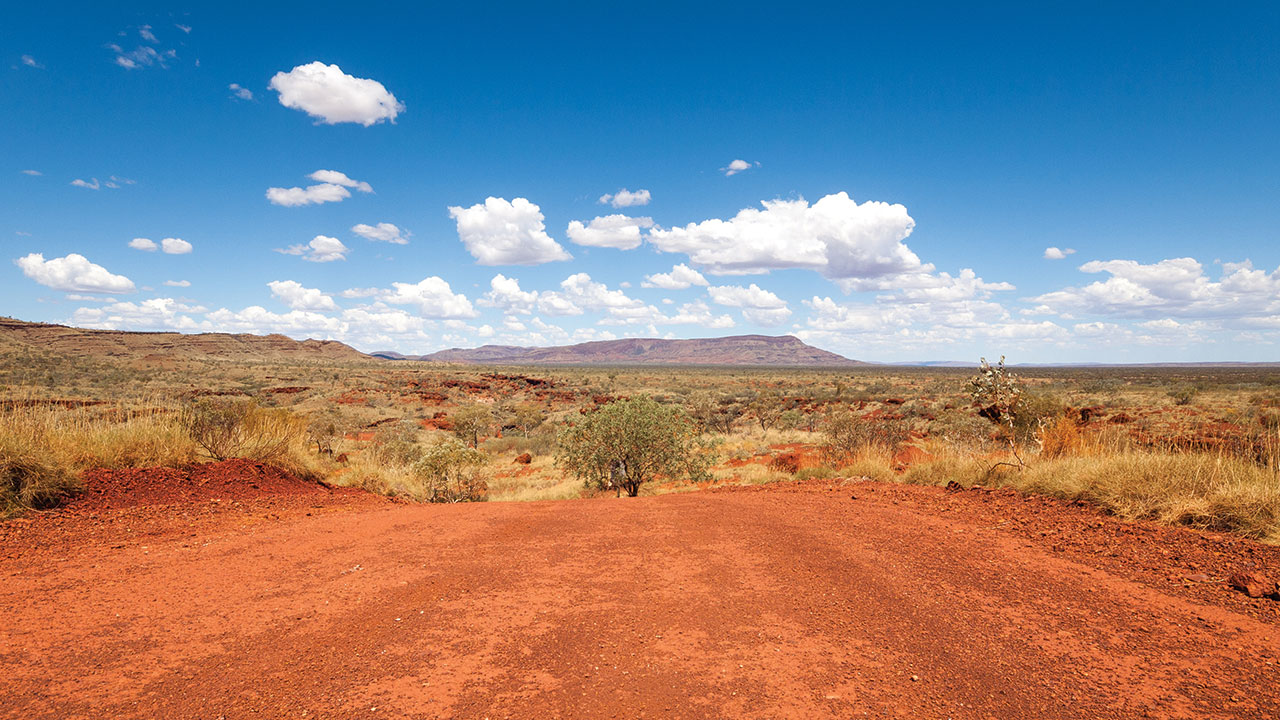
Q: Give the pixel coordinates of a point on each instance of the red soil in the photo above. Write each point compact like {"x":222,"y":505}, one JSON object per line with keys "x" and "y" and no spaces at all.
{"x":228,"y":480}
{"x":793,"y":600}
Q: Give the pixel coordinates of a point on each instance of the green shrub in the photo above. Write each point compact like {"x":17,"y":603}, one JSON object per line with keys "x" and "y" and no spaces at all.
{"x":239,"y":428}
{"x":847,"y":435}
{"x":451,"y":472}
{"x":627,"y":443}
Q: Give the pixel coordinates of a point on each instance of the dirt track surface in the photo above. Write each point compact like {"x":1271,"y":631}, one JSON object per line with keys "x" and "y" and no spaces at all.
{"x":787,"y":603}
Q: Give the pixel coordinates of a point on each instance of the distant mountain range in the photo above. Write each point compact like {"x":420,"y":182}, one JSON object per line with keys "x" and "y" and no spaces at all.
{"x":738,"y":350}
{"x":760,"y":350}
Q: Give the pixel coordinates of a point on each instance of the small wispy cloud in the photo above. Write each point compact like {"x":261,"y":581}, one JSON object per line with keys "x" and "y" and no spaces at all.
{"x":36,"y":173}
{"x":738,"y":166}
{"x":239,"y":92}
{"x":1053,"y":253}
{"x":32,"y":62}
{"x":143,"y":55}
{"x":114,"y":182}
{"x":184,"y":28}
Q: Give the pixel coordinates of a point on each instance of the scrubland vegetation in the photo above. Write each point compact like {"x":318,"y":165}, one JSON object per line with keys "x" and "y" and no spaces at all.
{"x":1195,"y":446}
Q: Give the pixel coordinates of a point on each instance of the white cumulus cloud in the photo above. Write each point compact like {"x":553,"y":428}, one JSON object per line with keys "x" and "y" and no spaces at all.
{"x":611,"y":231}
{"x":144,"y":244}
{"x":297,"y":297}
{"x":432,"y":296}
{"x":333,"y":177}
{"x":73,"y":273}
{"x":1173,"y":288}
{"x":382,"y":232}
{"x":175,"y":246}
{"x":579,"y":293}
{"x":759,"y":306}
{"x":835,"y":236}
{"x":505,"y":293}
{"x":332,"y":96}
{"x":681,"y":277}
{"x":625,"y":198}
{"x":1053,"y":253}
{"x":259,"y":320}
{"x":150,"y":314}
{"x":506,"y":233}
{"x":332,"y":187}
{"x":321,"y":249}
{"x":310,"y":195}
{"x":178,"y":283}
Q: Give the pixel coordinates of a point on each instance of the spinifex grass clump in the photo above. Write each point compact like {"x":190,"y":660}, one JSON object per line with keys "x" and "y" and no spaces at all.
{"x":44,"y":447}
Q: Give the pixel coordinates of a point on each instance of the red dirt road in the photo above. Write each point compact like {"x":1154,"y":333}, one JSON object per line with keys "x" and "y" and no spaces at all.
{"x":903,"y":602}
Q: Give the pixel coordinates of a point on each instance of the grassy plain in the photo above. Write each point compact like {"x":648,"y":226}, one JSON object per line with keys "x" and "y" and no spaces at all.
{"x":1191,"y":445}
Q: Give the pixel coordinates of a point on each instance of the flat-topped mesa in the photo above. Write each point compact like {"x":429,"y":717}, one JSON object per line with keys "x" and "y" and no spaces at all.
{"x":63,"y":340}
{"x":759,"y":350}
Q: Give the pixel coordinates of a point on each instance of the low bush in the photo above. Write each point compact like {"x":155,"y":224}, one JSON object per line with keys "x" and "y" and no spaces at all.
{"x":846,"y":435}
{"x":451,"y":472}
{"x":240,"y":428}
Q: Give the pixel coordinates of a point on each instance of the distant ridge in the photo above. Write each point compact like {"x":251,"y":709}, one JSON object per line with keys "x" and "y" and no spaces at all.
{"x":64,"y":340}
{"x":747,"y":350}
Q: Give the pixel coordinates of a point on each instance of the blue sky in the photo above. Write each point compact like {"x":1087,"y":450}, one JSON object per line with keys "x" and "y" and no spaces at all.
{"x":1064,"y":182}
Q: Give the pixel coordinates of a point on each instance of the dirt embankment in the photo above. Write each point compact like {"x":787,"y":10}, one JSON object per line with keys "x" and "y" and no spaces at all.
{"x":809,"y":600}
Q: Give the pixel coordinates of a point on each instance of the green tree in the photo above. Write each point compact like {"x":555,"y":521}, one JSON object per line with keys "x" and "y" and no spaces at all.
{"x":767,"y":407}
{"x":527,"y":416}
{"x":627,"y":443}
{"x":470,"y":422}
{"x":715,"y":413}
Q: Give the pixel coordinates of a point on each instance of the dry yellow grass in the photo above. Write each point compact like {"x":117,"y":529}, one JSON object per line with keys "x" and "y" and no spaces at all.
{"x":43,"y":449}
{"x":1213,"y":491}
{"x":1202,"y":490}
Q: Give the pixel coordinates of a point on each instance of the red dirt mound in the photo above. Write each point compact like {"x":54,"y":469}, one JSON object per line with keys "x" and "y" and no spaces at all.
{"x":227,"y":480}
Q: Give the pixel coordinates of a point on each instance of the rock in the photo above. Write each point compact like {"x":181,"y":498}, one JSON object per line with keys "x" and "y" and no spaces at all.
{"x":1199,"y":578}
{"x":908,"y":456}
{"x":953,"y":486}
{"x":524,"y":458}
{"x":1252,"y":583}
